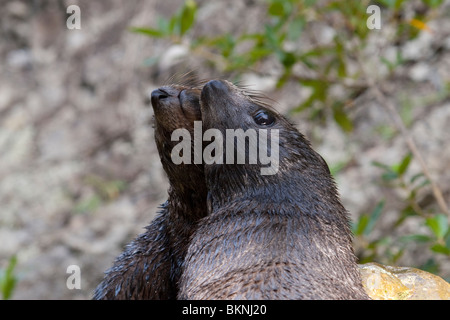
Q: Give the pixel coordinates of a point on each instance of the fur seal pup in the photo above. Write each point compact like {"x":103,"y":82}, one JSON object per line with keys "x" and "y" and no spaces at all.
{"x":150,"y":266}
{"x":279,"y":236}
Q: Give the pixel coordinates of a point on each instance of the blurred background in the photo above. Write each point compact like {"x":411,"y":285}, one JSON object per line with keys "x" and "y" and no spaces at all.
{"x":80,"y":175}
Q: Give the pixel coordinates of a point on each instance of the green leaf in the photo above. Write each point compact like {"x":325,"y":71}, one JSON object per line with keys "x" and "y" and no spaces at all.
{"x":408,"y":211}
{"x":340,"y":59}
{"x":342,"y":69}
{"x":288,"y":59}
{"x":416,"y":176}
{"x":393,"y":4}
{"x":148,"y":31}
{"x":276,"y":9}
{"x":415,"y":238}
{"x":295,"y":28}
{"x":389,"y":174}
{"x":342,"y":120}
{"x":397,"y":255}
{"x":319,"y":52}
{"x":271,"y":38}
{"x":367,"y":222}
{"x":320,"y":89}
{"x":308,"y":62}
{"x":373,"y":218}
{"x":439,"y":248}
{"x":360,"y":226}
{"x":433,"y":3}
{"x":257,"y":54}
{"x":438,"y":225}
{"x":163,"y":25}
{"x":381,"y":165}
{"x":226,"y":43}
{"x":173,"y":25}
{"x":187,"y":16}
{"x":403,"y":166}
{"x":8,"y":280}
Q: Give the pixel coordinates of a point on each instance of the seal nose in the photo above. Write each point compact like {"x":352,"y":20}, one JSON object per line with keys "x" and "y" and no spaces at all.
{"x":157,"y":95}
{"x":217,"y":85}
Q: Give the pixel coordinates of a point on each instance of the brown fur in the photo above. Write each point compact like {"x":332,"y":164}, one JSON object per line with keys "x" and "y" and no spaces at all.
{"x":281,"y":236}
{"x":150,"y":266}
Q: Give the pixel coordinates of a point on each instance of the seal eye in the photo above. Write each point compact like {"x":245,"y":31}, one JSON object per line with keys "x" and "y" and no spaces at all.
{"x":264,"y":118}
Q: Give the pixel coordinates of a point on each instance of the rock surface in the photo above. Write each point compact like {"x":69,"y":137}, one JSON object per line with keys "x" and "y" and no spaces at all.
{"x":402,"y":283}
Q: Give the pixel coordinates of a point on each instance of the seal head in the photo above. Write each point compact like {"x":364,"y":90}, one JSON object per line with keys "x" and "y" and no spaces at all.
{"x":150,"y":265}
{"x":279,"y":236}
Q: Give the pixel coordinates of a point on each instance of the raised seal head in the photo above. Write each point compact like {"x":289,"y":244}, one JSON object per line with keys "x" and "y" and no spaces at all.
{"x":279,"y":236}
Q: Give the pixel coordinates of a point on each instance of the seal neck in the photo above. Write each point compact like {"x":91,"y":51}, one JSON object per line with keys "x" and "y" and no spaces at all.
{"x":187,"y":203}
{"x":310,"y":192}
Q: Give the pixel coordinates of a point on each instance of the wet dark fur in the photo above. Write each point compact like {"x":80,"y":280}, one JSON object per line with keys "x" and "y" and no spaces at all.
{"x":282,"y":236}
{"x":150,"y":266}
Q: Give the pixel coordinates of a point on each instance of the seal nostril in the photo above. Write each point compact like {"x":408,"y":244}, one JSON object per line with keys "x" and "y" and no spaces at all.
{"x":157,"y":95}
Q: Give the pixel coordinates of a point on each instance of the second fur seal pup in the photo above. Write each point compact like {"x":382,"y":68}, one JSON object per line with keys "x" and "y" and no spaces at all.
{"x":150,"y":266}
{"x":279,"y":236}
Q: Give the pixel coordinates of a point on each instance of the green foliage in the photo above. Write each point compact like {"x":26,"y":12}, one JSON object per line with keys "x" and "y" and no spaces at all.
{"x":395,"y":171}
{"x":176,"y":26}
{"x":366,"y":222}
{"x":8,"y":279}
{"x":284,"y":25}
{"x":330,"y":65}
{"x":387,"y":249}
{"x":281,"y":38}
{"x":440,"y":227}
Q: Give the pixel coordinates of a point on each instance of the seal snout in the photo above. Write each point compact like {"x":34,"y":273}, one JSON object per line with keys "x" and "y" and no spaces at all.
{"x":216,"y":85}
{"x":158,"y":95}
{"x":215,"y":88}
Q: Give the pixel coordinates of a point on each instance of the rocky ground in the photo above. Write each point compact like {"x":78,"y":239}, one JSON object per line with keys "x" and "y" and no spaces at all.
{"x":79,"y":172}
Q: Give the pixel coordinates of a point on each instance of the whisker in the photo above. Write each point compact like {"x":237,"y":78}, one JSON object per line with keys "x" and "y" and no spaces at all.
{"x":188,"y":79}
{"x":256,"y":96}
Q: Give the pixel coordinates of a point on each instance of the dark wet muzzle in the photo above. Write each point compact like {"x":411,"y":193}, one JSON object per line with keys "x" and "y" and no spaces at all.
{"x":217,"y":85}
{"x":158,"y":95}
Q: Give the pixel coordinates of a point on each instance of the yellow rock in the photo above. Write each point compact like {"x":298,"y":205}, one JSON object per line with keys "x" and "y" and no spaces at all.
{"x":400,"y":283}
